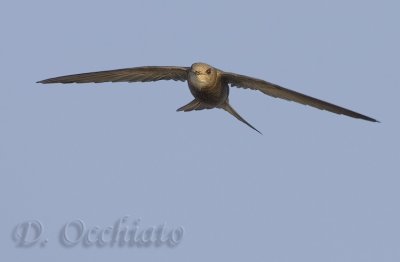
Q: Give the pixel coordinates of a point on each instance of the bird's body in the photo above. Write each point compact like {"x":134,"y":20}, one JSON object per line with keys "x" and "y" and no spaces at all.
{"x":208,"y":85}
{"x":207,"y":88}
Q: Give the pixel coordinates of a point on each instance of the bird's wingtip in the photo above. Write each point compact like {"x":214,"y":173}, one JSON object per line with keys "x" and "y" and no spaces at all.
{"x":45,"y":81}
{"x":367,"y":118}
{"x":373,"y":120}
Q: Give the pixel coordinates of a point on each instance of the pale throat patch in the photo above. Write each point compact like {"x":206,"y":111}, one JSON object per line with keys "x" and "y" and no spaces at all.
{"x":199,"y":81}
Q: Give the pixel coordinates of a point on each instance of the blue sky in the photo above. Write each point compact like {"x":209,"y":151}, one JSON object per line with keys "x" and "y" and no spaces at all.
{"x":315,"y":187}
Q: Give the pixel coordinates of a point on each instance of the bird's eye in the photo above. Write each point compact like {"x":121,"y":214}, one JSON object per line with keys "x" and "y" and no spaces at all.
{"x":208,"y":71}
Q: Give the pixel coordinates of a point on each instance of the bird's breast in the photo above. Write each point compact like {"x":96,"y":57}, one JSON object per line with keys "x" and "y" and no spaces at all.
{"x":212,"y":94}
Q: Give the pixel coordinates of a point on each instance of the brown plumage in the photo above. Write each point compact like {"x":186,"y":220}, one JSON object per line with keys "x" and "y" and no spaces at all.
{"x":208,"y":85}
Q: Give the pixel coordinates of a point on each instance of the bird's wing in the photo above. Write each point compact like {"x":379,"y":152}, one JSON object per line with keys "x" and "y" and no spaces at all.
{"x":284,"y":93}
{"x":135,"y":74}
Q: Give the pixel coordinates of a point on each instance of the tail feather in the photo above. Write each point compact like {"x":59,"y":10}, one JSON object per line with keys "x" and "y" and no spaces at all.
{"x":227,"y":107}
{"x":194,"y":105}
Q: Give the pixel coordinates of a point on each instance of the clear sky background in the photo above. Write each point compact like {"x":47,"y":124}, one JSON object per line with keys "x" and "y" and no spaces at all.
{"x":315,"y":187}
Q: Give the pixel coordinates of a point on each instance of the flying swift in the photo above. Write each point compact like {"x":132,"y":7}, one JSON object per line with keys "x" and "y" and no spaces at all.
{"x":208,"y":85}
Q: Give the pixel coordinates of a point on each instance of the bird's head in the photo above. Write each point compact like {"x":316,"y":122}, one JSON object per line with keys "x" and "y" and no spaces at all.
{"x":202,"y":75}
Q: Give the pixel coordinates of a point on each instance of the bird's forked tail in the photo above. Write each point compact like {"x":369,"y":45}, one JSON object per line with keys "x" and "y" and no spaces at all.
{"x":227,"y":107}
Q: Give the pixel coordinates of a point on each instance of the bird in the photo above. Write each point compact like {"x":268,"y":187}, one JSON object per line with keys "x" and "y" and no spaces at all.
{"x":208,"y":85}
